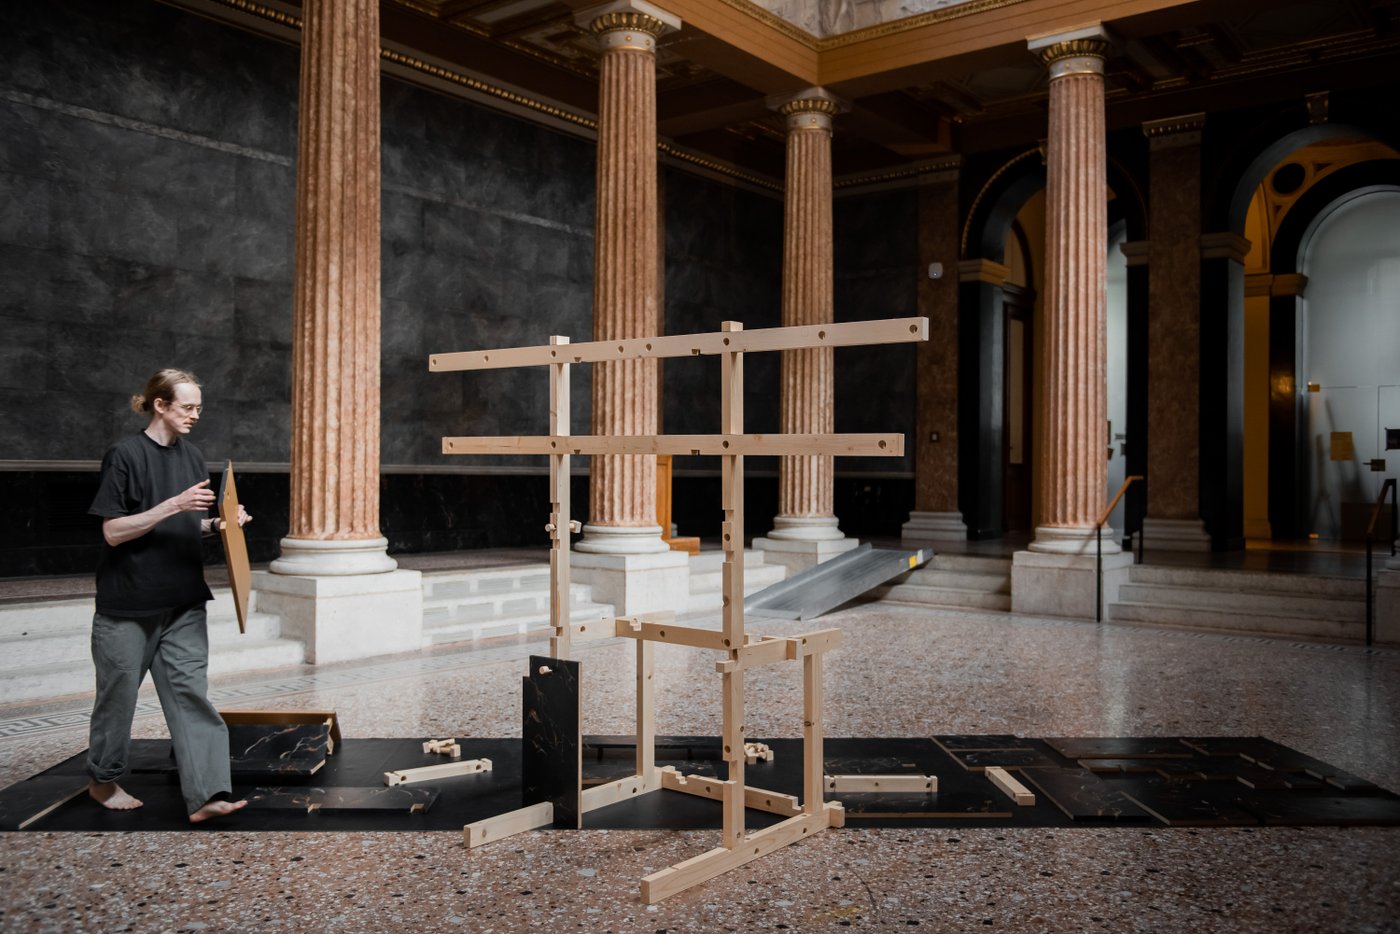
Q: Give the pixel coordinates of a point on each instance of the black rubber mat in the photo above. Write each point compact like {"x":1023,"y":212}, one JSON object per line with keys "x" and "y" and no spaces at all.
{"x":1211,"y":781}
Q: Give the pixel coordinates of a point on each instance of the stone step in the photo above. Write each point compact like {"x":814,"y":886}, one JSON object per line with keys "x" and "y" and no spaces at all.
{"x":1263,"y":582}
{"x":959,"y":580}
{"x":978,"y":564}
{"x":493,"y":581}
{"x":1345,"y":608}
{"x":1237,"y":621}
{"x":50,"y":646}
{"x":710,"y":562}
{"x":75,"y":676}
{"x":446,"y":629}
{"x":756,"y":577}
{"x":512,"y":603}
{"x":922,"y":595}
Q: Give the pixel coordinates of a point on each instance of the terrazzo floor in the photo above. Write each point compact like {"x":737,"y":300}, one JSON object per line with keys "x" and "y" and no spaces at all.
{"x":901,"y":672}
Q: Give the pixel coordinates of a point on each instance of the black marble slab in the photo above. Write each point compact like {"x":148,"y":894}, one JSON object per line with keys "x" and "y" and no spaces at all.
{"x":965,"y":742}
{"x":1260,"y":779}
{"x":979,"y":760}
{"x":957,"y":805}
{"x":1082,"y":795}
{"x":366,"y":798}
{"x":551,"y":766}
{"x":1189,"y":804}
{"x":1304,"y":810}
{"x":1253,"y":747}
{"x":1121,"y":766}
{"x":1120,"y":747}
{"x":25,"y":804}
{"x":278,"y":749}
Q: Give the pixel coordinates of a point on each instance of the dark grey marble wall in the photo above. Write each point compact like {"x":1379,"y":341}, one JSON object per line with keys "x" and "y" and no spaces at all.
{"x":877,"y":276}
{"x":147,"y":209}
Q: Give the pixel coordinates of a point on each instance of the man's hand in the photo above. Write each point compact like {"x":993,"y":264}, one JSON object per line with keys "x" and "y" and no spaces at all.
{"x":197,"y":498}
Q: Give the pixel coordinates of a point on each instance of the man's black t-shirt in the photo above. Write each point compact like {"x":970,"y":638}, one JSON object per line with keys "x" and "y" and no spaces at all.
{"x":163,"y":569}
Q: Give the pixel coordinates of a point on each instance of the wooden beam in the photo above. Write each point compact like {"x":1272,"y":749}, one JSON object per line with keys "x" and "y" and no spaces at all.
{"x":759,"y":799}
{"x":846,"y":334}
{"x":623,"y":789}
{"x":845,"y":445}
{"x":508,"y":824}
{"x":857,"y":784}
{"x":1012,"y":788}
{"x":697,"y":869}
{"x":432,"y":772}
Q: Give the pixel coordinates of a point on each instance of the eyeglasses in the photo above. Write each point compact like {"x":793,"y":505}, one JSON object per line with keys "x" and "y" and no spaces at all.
{"x":186,"y":407}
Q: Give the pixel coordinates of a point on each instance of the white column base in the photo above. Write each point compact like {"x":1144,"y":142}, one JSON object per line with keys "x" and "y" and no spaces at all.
{"x":343,"y":617}
{"x":1057,"y":540}
{"x":1174,"y":535}
{"x":1047,"y":584}
{"x":310,"y":557}
{"x":635,"y":583}
{"x":806,"y":529}
{"x":621,"y":540}
{"x":933,"y":527}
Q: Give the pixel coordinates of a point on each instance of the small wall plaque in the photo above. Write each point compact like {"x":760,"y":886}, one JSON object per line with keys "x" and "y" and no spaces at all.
{"x":1342,"y":447}
{"x":1378,"y":465}
{"x":1392,"y":439}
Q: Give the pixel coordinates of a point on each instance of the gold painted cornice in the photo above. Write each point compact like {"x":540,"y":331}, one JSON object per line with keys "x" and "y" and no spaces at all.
{"x":1187,"y":123}
{"x":631,"y":21}
{"x":1074,"y":48}
{"x":866,"y":34}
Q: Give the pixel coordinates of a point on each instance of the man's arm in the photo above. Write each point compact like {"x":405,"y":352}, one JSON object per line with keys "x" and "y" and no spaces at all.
{"x":197,"y":498}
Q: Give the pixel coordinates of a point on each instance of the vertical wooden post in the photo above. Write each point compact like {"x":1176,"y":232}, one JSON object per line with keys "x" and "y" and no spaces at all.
{"x":560,"y":600}
{"x":813,"y":756}
{"x":732,"y":535}
{"x":646,"y":711}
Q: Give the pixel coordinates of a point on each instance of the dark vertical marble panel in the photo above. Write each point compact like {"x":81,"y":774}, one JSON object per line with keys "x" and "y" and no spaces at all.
{"x":552,"y":738}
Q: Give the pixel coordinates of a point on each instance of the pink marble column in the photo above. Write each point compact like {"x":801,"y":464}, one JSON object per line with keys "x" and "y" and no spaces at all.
{"x":1174,"y":337}
{"x":622,"y":488}
{"x":334,"y":528}
{"x":805,"y":482}
{"x":1073,"y":469}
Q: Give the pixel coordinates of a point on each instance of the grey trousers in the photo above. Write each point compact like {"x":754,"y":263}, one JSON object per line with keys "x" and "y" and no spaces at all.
{"x":174,"y":648}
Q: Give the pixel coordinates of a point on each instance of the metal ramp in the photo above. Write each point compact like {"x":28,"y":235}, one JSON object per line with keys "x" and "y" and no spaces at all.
{"x":828,"y":585}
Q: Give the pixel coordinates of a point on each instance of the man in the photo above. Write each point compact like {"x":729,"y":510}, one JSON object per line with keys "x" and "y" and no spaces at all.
{"x":152,"y":497}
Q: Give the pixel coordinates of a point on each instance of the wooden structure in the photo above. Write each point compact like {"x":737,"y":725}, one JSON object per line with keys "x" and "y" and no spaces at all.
{"x":741,"y":651}
{"x":240,"y":575}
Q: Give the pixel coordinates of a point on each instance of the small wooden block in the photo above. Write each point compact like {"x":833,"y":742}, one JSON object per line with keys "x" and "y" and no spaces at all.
{"x":445,"y":747}
{"x":756,"y":751}
{"x":1013,"y":789}
{"x":913,"y":784}
{"x":431,"y":772}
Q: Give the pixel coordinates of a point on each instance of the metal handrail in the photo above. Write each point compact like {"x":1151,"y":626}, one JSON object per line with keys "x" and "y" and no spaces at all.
{"x":1098,"y":544}
{"x":1387,"y":487}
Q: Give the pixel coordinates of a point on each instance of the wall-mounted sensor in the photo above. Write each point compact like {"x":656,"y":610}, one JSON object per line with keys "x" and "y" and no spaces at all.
{"x":935,"y":270}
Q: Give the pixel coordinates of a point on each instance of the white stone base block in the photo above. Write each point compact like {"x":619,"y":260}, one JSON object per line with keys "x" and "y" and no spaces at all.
{"x":1058,"y":540}
{"x":333,"y":557}
{"x":1387,"y":618}
{"x":797,"y":555}
{"x":622,"y":540}
{"x":342,"y":617}
{"x":806,"y":529}
{"x":1044,"y":584}
{"x":933,"y":527}
{"x":1174,"y":535}
{"x":635,"y":583}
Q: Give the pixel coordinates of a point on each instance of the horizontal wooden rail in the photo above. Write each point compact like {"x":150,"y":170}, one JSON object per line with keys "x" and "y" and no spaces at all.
{"x":849,"y":445}
{"x":846,"y":334}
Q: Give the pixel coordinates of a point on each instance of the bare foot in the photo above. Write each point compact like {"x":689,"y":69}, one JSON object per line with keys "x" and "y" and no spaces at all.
{"x":216,"y":809}
{"x":111,"y":795}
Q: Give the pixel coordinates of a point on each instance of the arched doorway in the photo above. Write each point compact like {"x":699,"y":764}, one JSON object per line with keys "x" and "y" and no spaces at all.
{"x":1294,"y":487}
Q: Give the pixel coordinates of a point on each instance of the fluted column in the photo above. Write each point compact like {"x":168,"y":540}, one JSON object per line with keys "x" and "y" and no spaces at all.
{"x":622,"y":488}
{"x":334,"y":527}
{"x":1074,"y":406}
{"x":807,"y":395}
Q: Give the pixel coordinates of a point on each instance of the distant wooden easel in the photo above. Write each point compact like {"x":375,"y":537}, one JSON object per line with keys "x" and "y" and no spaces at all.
{"x":556,"y":679}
